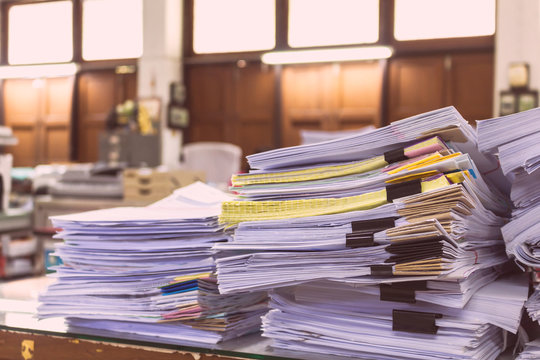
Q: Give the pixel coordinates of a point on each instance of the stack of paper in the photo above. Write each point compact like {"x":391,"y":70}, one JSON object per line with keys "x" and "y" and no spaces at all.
{"x":131,"y":269}
{"x":430,"y":217}
{"x":515,"y":140}
{"x":446,"y":123}
{"x":340,"y":320}
{"x":359,"y":225}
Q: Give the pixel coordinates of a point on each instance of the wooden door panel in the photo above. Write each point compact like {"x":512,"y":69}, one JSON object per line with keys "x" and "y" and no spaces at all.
{"x":417,"y":84}
{"x":257,"y":137}
{"x":56,"y":128}
{"x":21,"y":101}
{"x":254,"y":109}
{"x":22,"y":108}
{"x":305,"y":98}
{"x":471,"y":84}
{"x":358,"y":95}
{"x":210,"y":100}
{"x":56,"y":143}
{"x":26,"y":151}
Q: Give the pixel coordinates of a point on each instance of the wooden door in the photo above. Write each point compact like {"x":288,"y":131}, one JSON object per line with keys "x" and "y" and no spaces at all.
{"x":306,"y":101}
{"x":22,"y":113}
{"x":356,"y":101}
{"x":417,"y":84}
{"x":39,"y":112}
{"x":254,"y":108}
{"x":232,"y":104}
{"x":471,"y":85}
{"x":330,"y":97}
{"x":55,"y":129}
{"x":99,"y":92}
{"x":211,"y":102}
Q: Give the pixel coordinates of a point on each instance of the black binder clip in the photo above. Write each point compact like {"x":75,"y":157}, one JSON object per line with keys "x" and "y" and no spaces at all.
{"x":359,"y":239}
{"x":374,"y":225}
{"x":396,"y":155}
{"x":415,"y":322}
{"x":399,"y":190}
{"x":404,"y":292}
{"x":382,"y":270}
{"x":363,"y":230}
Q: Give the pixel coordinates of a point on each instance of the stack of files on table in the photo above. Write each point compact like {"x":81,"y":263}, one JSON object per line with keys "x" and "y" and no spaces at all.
{"x":403,"y":213}
{"x":149,"y":271}
{"x":341,"y":320}
{"x":515,"y":139}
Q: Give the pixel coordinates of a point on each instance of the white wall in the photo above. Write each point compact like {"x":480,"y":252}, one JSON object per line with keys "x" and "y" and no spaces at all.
{"x":517,"y":40}
{"x":161,"y":64}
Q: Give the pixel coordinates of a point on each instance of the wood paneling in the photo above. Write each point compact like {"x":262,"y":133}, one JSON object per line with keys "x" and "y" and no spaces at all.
{"x":471,"y":85}
{"x":98,"y":93}
{"x":39,"y":112}
{"x":416,"y":85}
{"x":232,"y":104}
{"x":330,"y":97}
{"x":422,"y":83}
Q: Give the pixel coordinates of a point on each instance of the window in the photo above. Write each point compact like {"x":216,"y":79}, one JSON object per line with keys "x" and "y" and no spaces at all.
{"x":112,"y":29}
{"x":233,"y":25}
{"x":435,"y":19}
{"x":40,"y":33}
{"x":336,"y":22}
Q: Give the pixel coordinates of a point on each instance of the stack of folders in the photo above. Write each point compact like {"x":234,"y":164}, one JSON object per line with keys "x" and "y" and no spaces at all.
{"x":400,"y":214}
{"x":515,"y":139}
{"x":148,"y":271}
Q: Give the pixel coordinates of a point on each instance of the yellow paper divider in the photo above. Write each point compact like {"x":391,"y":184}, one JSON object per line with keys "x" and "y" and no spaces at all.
{"x":409,"y":177}
{"x":420,"y":162}
{"x":191,"y":277}
{"x":233,"y":212}
{"x":323,"y":172}
{"x":432,"y":141}
{"x":238,"y":211}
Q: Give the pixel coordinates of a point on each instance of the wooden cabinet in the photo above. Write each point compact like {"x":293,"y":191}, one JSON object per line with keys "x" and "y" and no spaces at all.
{"x":422,"y":83}
{"x":329,"y":97}
{"x":232,"y":104}
{"x":98,"y":93}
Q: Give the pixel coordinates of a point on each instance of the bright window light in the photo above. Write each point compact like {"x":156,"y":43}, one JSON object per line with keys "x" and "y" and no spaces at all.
{"x":436,"y":19}
{"x":336,"y":22}
{"x":112,"y":29}
{"x":327,"y":55}
{"x":40,"y":33}
{"x":233,"y":26}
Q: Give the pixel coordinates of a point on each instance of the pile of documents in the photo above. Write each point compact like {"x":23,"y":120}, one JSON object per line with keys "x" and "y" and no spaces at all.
{"x":346,"y":230}
{"x":149,"y":271}
{"x":515,"y":139}
{"x":341,"y":320}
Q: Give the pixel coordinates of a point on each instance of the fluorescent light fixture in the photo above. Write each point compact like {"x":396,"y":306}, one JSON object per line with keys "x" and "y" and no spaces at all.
{"x":327,"y":55}
{"x":37,"y":71}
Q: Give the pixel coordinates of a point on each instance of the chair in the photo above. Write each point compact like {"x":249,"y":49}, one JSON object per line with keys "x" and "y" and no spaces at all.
{"x":219,"y":160}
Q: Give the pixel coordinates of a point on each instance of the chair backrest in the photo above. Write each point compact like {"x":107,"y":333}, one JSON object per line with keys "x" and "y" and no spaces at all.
{"x":219,"y":160}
